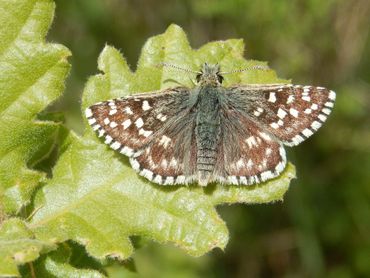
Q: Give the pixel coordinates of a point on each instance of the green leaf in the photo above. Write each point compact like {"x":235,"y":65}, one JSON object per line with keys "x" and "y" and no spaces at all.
{"x":57,"y":264}
{"x":32,"y":77}
{"x":18,"y":246}
{"x":96,"y":199}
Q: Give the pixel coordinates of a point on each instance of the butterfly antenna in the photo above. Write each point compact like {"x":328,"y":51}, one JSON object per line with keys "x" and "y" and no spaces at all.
{"x":258,"y":67}
{"x":176,"y":67}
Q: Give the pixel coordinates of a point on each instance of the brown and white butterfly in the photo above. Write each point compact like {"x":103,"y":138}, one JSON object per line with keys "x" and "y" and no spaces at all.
{"x":211,"y":133}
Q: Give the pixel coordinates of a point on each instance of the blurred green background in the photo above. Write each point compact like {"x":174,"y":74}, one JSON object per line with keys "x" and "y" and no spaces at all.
{"x":323,"y":226}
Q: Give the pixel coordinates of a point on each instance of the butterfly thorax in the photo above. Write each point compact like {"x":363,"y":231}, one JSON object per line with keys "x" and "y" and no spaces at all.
{"x":207,"y":131}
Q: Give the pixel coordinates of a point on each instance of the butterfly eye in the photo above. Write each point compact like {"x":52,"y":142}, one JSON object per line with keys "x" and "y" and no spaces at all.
{"x":198,"y":77}
{"x":220,"y":78}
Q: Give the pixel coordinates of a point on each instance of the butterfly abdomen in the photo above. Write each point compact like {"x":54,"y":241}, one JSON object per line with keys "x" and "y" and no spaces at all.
{"x":207,"y":133}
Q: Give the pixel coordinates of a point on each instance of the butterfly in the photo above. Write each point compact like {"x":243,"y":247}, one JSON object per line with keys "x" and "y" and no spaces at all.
{"x":210,"y":133}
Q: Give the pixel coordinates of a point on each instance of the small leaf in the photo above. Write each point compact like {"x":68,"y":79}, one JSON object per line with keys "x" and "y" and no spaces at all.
{"x":96,"y":199}
{"x":18,"y":246}
{"x":57,"y":264}
{"x":32,"y":77}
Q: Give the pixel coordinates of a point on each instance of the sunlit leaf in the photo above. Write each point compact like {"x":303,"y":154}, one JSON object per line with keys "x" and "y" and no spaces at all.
{"x":58,"y":264}
{"x":18,"y":246}
{"x":32,"y":77}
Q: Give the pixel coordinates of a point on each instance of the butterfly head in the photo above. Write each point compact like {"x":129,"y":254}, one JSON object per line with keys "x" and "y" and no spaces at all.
{"x":210,"y":75}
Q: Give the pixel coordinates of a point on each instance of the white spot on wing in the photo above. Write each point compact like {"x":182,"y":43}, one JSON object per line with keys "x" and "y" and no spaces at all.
{"x":290,"y":99}
{"x":243,"y":180}
{"x":108,"y":139}
{"x":307,"y":132}
{"x":101,"y":133}
{"x":126,"y":123}
{"x":145,"y":133}
{"x":113,"y":111}
{"x":139,"y":123}
{"x":128,"y":111}
{"x":265,"y":136}
{"x":251,"y":141}
{"x":297,"y":139}
{"x":326,"y":111}
{"x":240,"y":164}
{"x":160,"y":117}
{"x":293,"y":112}
{"x":258,"y":112}
{"x":113,"y":124}
{"x":274,"y":125}
{"x":169,"y":180}
{"x":281,"y":113}
{"x":322,"y":117}
{"x":158,"y":179}
{"x":106,"y":121}
{"x":127,"y":151}
{"x":164,"y":163}
{"x":147,"y":173}
{"x":146,"y":105}
{"x":135,"y":165}
{"x":266,"y":175}
{"x":115,"y":146}
{"x":315,"y":125}
{"x":332,"y":95}
{"x":165,"y":141}
{"x":314,"y":106}
{"x":180,"y":179}
{"x":173,"y":163}
{"x":329,"y":104}
{"x":88,"y":113}
{"x":91,"y":121}
{"x":272,"y":97}
{"x":232,"y":180}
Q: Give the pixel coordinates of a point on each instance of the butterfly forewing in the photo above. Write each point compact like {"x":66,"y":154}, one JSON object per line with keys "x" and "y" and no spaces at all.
{"x":129,"y":124}
{"x":292,"y":113}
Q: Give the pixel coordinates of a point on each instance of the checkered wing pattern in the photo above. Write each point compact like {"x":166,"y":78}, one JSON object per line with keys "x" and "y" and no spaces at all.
{"x":170,"y":158}
{"x":160,"y":131}
{"x":290,"y":113}
{"x":153,"y":129}
{"x":247,"y":155}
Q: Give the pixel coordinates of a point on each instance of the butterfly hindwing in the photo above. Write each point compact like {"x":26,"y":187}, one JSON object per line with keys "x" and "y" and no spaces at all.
{"x":247,"y":154}
{"x":292,"y":113}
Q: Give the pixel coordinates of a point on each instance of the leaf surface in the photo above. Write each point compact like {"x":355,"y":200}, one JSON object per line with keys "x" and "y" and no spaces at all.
{"x":18,"y":246}
{"x":32,"y":77}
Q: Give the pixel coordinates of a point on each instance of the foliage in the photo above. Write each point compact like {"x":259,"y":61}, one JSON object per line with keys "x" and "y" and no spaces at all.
{"x":32,"y":76}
